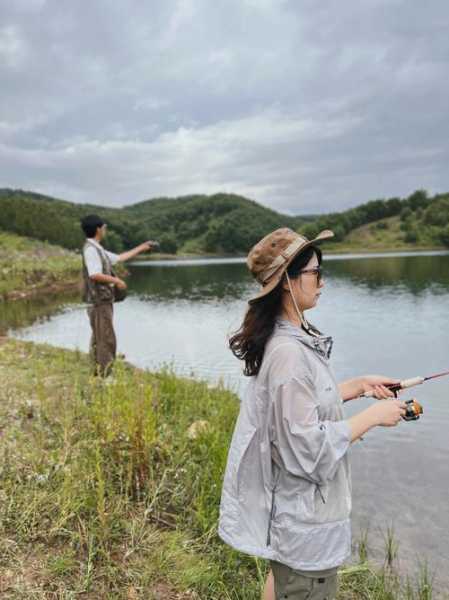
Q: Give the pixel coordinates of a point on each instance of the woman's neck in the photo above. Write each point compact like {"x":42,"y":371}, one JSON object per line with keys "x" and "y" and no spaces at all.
{"x":289,"y":313}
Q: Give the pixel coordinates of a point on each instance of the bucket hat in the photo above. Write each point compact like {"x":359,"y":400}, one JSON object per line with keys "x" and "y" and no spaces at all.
{"x":269,"y":259}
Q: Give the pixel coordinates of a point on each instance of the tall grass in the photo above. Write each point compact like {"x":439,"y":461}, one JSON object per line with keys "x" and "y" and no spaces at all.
{"x":26,"y":265}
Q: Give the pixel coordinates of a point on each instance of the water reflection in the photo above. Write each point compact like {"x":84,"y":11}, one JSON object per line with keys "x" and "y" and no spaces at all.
{"x":190,"y":282}
{"x":20,"y":313}
{"x":414,"y":273}
{"x":226,"y":281}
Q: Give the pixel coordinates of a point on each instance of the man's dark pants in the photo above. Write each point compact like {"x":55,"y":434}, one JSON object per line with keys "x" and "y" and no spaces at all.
{"x":103,"y":343}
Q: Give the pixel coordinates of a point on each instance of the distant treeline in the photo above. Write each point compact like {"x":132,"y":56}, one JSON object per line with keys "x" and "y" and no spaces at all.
{"x":222,"y":223}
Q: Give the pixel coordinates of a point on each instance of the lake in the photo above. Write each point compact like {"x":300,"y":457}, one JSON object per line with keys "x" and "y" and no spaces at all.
{"x":388,"y":314}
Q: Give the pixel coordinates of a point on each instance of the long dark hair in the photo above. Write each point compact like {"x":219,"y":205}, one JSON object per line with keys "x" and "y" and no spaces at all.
{"x":248,"y":343}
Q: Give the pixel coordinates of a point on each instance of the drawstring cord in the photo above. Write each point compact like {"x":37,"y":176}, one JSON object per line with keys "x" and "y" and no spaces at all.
{"x":302,"y":319}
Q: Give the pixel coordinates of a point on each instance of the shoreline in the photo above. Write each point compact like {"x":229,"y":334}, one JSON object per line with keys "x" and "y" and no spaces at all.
{"x":46,"y":289}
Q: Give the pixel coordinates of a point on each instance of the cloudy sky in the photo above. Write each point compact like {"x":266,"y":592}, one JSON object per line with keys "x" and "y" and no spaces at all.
{"x":303,"y":105}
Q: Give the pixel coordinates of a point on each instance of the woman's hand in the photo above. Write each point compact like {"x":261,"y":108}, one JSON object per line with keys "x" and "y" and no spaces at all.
{"x":353,"y":388}
{"x":377,"y":384}
{"x":387,"y":413}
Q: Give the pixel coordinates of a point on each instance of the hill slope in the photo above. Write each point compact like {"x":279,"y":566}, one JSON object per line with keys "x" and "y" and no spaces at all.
{"x":418,"y":221}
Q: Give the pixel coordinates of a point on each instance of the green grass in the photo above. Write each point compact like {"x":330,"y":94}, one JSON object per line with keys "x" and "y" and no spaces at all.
{"x":28,"y":265}
{"x":380,"y":236}
{"x":106,"y":492}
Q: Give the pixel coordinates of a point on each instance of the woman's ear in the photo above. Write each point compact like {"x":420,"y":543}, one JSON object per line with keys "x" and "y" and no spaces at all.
{"x":285,"y":286}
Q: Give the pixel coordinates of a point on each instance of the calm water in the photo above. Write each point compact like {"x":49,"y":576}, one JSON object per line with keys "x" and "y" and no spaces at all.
{"x":387,"y":314}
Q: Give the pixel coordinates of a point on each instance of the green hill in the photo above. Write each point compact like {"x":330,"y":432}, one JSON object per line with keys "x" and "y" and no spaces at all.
{"x":418,"y":221}
{"x":220,"y":223}
{"x":227,"y":223}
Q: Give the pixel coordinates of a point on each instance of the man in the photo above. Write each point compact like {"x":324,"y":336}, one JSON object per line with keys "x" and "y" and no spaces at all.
{"x":99,"y":290}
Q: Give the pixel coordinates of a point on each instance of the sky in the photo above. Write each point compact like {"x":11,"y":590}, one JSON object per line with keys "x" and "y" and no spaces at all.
{"x":305,"y":106}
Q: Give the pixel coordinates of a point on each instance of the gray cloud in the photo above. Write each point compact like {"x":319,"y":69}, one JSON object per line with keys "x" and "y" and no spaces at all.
{"x":303,"y":106}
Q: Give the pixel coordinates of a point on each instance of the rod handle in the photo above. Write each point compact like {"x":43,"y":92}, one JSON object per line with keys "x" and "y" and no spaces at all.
{"x":396,"y":387}
{"x":411,"y":382}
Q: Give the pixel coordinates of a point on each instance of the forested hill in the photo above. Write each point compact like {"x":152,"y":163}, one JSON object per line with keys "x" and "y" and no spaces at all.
{"x":223,"y":223}
{"x":220,"y":223}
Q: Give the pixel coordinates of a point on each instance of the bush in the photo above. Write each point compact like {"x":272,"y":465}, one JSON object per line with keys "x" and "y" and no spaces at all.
{"x":411,"y":236}
{"x":382,"y":225}
{"x":444,"y":236}
{"x":168,"y":244}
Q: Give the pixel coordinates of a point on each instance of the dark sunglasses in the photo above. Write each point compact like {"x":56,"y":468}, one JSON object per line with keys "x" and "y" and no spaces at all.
{"x":318,"y":271}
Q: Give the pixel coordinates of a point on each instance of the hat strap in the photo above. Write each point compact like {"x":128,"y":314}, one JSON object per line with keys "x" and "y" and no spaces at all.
{"x":301,"y":316}
{"x":282,"y":258}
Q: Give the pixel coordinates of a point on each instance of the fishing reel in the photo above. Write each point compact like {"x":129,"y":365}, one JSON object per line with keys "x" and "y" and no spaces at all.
{"x":414,"y":409}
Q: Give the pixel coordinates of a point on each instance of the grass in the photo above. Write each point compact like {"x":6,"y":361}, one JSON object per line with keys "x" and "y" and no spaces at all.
{"x":380,"y":236}
{"x":112,"y":491}
{"x":28,"y":266}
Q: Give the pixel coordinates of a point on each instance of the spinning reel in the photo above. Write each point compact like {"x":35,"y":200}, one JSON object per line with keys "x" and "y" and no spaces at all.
{"x":414,"y":409}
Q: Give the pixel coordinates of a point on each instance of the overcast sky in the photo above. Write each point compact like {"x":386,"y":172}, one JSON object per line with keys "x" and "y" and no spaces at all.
{"x":303,"y":105}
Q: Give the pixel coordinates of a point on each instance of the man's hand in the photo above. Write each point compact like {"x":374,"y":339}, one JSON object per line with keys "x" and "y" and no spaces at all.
{"x":145,"y":247}
{"x":120,"y":284}
{"x":377,"y":385}
{"x":150,"y":245}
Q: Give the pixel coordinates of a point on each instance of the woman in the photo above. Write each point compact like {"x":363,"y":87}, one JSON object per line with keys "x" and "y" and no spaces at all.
{"x":287,"y":491}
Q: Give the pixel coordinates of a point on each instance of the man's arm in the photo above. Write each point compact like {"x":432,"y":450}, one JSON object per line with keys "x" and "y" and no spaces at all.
{"x":102,"y":278}
{"x":145,"y":247}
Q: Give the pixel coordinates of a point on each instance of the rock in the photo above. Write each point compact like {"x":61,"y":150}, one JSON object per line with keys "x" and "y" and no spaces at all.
{"x":196,"y":428}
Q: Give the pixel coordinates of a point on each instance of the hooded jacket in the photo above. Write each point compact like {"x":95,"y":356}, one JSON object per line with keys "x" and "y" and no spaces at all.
{"x":287,"y":488}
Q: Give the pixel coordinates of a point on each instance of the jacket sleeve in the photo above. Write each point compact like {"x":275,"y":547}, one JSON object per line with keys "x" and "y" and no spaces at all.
{"x":308,"y":447}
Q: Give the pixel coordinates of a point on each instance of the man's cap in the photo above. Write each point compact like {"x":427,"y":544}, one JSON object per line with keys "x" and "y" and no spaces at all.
{"x":269,"y":259}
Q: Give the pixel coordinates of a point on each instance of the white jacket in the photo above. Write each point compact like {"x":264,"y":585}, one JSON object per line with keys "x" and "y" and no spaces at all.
{"x":287,"y":489}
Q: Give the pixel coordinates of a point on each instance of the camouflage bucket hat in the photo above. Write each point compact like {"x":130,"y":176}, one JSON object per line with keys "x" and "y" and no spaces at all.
{"x":268,"y":259}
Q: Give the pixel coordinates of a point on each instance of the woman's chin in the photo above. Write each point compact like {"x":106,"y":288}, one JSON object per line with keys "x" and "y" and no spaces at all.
{"x":316,"y":300}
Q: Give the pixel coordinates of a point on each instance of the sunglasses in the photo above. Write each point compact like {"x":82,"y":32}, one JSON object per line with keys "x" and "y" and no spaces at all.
{"x":317,"y":271}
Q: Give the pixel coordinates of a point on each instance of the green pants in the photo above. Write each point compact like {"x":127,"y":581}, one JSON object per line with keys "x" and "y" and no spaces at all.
{"x":103,"y":344}
{"x":296,"y":585}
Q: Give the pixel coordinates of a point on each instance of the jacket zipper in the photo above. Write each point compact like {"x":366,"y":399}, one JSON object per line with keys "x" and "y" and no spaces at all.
{"x":272,"y":512}
{"x":273,"y":508}
{"x":321,"y":493}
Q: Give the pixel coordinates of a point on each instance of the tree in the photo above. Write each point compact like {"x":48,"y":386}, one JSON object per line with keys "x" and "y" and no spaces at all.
{"x":418,"y":199}
{"x":444,"y":236}
{"x":411,"y":236}
{"x":168,"y":244}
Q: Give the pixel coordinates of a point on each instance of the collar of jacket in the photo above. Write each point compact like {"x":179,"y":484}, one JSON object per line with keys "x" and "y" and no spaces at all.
{"x":321,"y":344}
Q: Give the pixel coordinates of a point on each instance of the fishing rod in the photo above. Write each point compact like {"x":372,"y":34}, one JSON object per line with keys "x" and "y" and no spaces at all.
{"x":414,"y":408}
{"x":406,"y":383}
